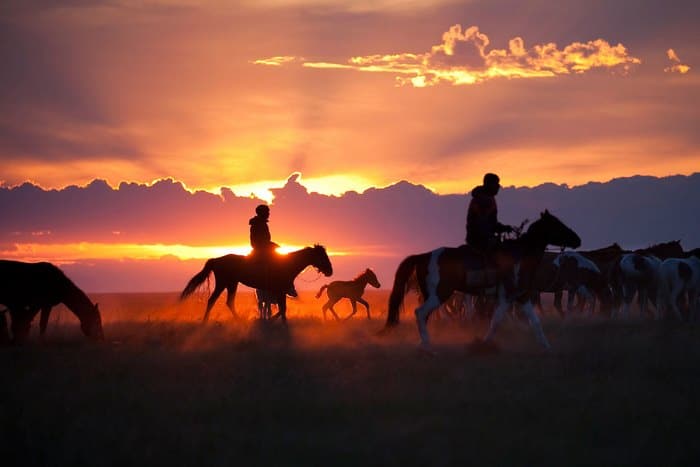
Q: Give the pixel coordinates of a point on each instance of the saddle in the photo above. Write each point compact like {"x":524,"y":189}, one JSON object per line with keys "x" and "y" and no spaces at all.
{"x":480,"y":267}
{"x":485,"y":268}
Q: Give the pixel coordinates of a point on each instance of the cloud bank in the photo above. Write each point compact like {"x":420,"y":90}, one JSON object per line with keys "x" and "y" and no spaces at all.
{"x":376,"y":228}
{"x":463,"y":58}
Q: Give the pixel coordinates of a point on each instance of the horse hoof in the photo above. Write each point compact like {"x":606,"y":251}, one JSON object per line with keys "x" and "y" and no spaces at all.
{"x":427,"y":349}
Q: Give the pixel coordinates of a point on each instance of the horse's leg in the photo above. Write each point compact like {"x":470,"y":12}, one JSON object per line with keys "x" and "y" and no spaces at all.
{"x":628,"y":291}
{"x":693,"y":304}
{"x":537,"y":298}
{"x":469,"y":308}
{"x":4,"y":331}
{"x":44,"y":320}
{"x":558,"y":295}
{"x":643,"y":299}
{"x":20,"y":326}
{"x":260,"y":303}
{"x":498,"y":314}
{"x":212,"y":299}
{"x":675,"y":295}
{"x":529,"y":311}
{"x":329,"y":306}
{"x":282,"y":306}
{"x":585,"y":297}
{"x":366,"y":305}
{"x":231,"y":295}
{"x":354,"y":309}
{"x":422,"y":313}
{"x":570,"y":295}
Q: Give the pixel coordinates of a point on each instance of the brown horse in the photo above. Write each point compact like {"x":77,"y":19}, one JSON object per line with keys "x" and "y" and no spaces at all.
{"x":511,"y":268}
{"x":276,"y":276}
{"x":351,"y":290}
{"x":27,"y":288}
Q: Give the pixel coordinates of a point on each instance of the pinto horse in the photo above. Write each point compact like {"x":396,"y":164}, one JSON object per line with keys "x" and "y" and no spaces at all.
{"x":638,"y":272}
{"x":27,"y":288}
{"x":275,"y":275}
{"x":510,"y":267}
{"x":351,"y":290}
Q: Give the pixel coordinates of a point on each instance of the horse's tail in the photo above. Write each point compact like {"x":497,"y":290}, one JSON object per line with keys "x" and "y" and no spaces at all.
{"x":403,"y":273}
{"x":318,"y":295}
{"x":197,"y":280}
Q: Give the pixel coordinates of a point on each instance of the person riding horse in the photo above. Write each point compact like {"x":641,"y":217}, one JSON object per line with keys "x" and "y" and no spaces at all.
{"x":483,"y":232}
{"x":482,"y":226}
{"x":261,"y":240}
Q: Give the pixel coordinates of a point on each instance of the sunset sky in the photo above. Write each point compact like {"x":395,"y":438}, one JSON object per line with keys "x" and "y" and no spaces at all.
{"x":351,"y":94}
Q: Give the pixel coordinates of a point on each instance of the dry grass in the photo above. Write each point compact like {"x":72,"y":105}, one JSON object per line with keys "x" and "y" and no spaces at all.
{"x":165,"y":390}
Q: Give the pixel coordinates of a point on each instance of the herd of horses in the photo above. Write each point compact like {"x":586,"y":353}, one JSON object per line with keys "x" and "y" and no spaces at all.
{"x":511,"y":275}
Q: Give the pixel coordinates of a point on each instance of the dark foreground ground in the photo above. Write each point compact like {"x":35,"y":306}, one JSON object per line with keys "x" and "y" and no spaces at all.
{"x":172,"y":392}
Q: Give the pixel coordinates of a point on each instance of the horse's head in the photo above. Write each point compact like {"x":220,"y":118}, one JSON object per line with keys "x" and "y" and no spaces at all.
{"x":91,"y":323}
{"x":552,"y":231}
{"x":372,"y":278}
{"x":320,"y":260}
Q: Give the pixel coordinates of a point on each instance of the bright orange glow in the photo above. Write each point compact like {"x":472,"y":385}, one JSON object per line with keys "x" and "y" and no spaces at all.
{"x":69,"y":252}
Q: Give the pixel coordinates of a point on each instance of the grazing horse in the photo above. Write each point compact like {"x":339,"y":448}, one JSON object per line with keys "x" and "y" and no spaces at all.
{"x":634,"y":273}
{"x":276,"y":276}
{"x":637,"y":273}
{"x":580,"y":276}
{"x":510,"y":267}
{"x":678,"y":277}
{"x":351,"y":290}
{"x":27,"y":288}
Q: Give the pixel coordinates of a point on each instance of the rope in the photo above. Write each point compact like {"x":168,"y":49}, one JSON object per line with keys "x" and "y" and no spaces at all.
{"x":318,"y":276}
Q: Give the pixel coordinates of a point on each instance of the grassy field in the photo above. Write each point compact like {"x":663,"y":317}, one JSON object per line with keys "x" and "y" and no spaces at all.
{"x":164,"y":390}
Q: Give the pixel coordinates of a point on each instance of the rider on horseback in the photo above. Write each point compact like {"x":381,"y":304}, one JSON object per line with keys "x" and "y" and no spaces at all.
{"x":260,"y":239}
{"x":482,"y":217}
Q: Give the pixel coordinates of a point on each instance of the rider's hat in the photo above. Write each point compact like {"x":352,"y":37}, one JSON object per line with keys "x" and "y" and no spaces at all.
{"x":491,"y":179}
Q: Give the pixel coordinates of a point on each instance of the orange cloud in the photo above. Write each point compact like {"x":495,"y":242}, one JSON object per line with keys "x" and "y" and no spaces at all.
{"x":677,"y":66}
{"x":277,"y":61}
{"x":462,"y":58}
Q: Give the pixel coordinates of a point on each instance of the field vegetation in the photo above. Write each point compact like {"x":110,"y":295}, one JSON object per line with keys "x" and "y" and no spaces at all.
{"x":163,"y":389}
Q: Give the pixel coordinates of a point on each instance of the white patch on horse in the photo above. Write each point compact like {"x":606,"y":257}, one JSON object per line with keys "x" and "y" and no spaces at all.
{"x":433,"y":279}
{"x":581,"y":261}
{"x":431,"y":300}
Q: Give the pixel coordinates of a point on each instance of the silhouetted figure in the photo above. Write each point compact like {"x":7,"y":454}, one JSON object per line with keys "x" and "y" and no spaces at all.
{"x":482,"y":217}
{"x":261,"y":240}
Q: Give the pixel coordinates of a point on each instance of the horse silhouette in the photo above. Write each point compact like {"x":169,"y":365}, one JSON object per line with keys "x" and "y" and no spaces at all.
{"x":511,"y":269}
{"x":679,"y":278}
{"x":276,"y":276}
{"x":637,"y":273}
{"x":27,"y":288}
{"x":576,"y":274}
{"x":351,"y":290}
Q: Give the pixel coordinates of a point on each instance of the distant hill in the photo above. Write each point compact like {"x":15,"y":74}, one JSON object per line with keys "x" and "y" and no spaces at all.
{"x":375,"y":227}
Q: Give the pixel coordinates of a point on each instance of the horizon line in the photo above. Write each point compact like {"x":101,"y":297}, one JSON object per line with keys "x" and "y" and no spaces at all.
{"x":297,"y":177}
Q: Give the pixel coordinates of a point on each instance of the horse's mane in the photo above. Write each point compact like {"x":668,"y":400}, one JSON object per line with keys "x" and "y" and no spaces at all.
{"x":363,"y":273}
{"x":658,"y":246}
{"x":615,"y":247}
{"x":662,"y":244}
